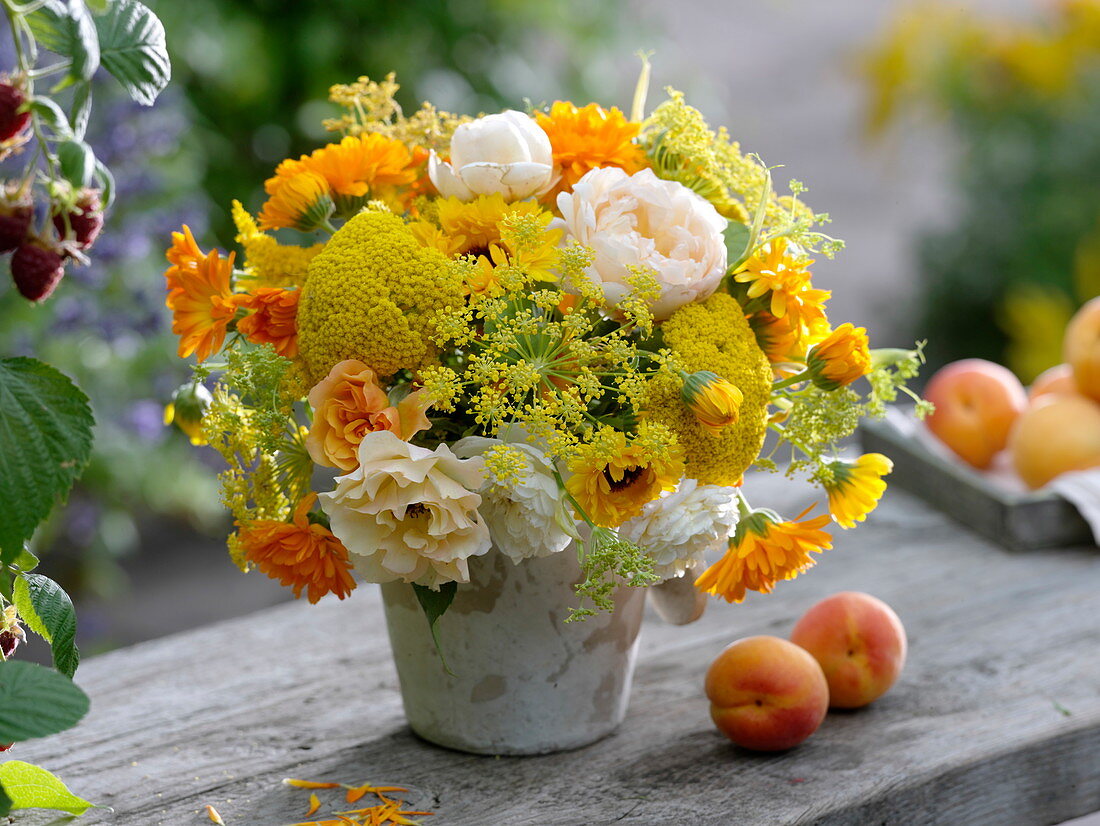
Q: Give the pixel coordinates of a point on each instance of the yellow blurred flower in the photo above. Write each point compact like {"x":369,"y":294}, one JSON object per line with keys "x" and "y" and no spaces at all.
{"x":587,"y":138}
{"x":614,"y":478}
{"x":763,"y":551}
{"x":715,"y":402}
{"x":856,"y":487}
{"x":841,"y":358}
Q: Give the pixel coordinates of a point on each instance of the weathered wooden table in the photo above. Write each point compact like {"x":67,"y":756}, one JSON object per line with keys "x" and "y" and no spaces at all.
{"x":996,"y":719}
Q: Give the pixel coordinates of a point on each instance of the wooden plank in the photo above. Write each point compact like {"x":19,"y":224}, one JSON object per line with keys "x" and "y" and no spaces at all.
{"x":974,"y":733}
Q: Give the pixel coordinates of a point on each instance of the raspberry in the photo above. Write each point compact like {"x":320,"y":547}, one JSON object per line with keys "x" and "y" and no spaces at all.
{"x":15,"y":221}
{"x":85,"y":221}
{"x":9,"y":641}
{"x":36,"y":270}
{"x":6,"y":747}
{"x":12,"y":121}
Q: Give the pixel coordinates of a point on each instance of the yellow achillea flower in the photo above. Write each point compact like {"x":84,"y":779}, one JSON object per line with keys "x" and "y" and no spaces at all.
{"x":841,"y":358}
{"x":714,"y":335}
{"x":763,"y":551}
{"x":715,"y":402}
{"x":587,"y":138}
{"x":299,"y":200}
{"x":374,"y":294}
{"x":202,"y":304}
{"x":786,"y":277}
{"x":856,"y":487}
{"x":299,"y":554}
{"x":614,"y":478}
{"x":267,"y":262}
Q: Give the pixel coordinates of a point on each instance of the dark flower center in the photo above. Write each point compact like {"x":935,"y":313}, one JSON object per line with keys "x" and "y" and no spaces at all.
{"x":415,"y":510}
{"x":630,"y":476}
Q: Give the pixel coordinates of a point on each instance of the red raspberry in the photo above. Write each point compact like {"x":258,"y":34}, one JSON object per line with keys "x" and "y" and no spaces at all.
{"x":85,"y":221}
{"x":36,"y":270}
{"x":12,"y":121}
{"x":15,"y":221}
{"x":5,"y":748}
{"x":9,"y":641}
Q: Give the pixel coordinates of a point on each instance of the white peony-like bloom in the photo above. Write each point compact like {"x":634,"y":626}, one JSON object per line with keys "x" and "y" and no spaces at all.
{"x":409,"y":513}
{"x":678,"y":528}
{"x":507,"y":153}
{"x":527,"y":519}
{"x":642,"y":220}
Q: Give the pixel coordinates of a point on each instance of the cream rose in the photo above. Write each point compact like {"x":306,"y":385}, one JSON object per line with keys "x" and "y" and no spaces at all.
{"x":526,"y":518}
{"x":644,"y":221}
{"x":677,"y":529}
{"x":409,"y":513}
{"x":507,"y":153}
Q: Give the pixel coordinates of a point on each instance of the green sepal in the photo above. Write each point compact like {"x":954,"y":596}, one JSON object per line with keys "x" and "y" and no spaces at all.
{"x":435,"y":604}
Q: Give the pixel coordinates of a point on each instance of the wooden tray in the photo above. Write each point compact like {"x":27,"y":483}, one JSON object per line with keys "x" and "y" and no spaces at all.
{"x":1017,"y":521}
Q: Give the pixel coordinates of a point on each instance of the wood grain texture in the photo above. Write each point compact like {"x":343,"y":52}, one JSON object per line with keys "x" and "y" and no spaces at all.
{"x":996,"y":719}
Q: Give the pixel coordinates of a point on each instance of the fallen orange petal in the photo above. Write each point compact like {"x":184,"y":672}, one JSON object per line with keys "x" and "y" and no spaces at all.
{"x":308,"y":784}
{"x":212,"y":813}
{"x":314,"y":804}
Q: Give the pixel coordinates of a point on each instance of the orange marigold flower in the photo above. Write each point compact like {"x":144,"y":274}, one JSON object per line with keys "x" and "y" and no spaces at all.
{"x":347,"y":405}
{"x":589,"y":137}
{"x":763,"y":551}
{"x":841,"y":358}
{"x":299,"y":554}
{"x":298,"y":199}
{"x":183,"y":255}
{"x":202,"y":304}
{"x":272,"y":318}
{"x":360,"y":164}
{"x":782,"y":278}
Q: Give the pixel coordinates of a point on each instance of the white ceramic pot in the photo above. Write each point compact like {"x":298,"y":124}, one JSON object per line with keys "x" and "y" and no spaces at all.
{"x":525,"y":681}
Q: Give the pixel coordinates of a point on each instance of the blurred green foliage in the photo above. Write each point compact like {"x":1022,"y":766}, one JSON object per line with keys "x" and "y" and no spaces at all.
{"x":1023,"y":102}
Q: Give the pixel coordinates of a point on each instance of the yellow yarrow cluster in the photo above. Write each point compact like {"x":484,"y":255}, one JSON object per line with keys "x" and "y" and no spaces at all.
{"x":267,"y":262}
{"x":714,"y":336}
{"x":374,"y":294}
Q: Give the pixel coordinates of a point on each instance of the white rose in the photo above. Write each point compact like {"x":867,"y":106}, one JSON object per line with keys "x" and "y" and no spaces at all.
{"x":644,"y":221}
{"x":527,"y":519}
{"x":677,"y":529}
{"x":507,"y":153}
{"x":409,"y":513}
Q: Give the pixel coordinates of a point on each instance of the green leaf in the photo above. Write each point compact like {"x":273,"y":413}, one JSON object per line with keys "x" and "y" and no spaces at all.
{"x":65,"y":27}
{"x":36,"y":701}
{"x":52,"y":115}
{"x":81,"y":109}
{"x":32,"y":787}
{"x":106,"y":183}
{"x":5,"y":803}
{"x":49,"y":613}
{"x":45,"y":440}
{"x":131,"y":38}
{"x":737,"y":240}
{"x":98,"y":6}
{"x":435,"y":604}
{"x":77,"y":162}
{"x":25,"y":561}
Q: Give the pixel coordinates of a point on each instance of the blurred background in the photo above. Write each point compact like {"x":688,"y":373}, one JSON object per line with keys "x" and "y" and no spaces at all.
{"x":951,"y":144}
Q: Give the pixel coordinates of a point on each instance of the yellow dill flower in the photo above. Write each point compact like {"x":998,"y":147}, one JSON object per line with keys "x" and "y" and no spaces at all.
{"x":478,"y":222}
{"x":268,"y":262}
{"x":532,"y":245}
{"x":856,"y":487}
{"x":713,"y":335}
{"x":587,"y":138}
{"x":841,"y":358}
{"x":298,"y":199}
{"x":715,"y":402}
{"x":614,"y":478}
{"x":783,"y":279}
{"x":374,"y":294}
{"x":763,"y":551}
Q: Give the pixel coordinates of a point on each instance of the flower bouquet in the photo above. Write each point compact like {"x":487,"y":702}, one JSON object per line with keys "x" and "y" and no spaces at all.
{"x":526,"y":360}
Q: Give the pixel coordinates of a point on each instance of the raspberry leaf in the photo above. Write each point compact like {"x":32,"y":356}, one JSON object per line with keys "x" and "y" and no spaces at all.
{"x":65,"y":28}
{"x":36,"y":701}
{"x":132,"y":41}
{"x":48,"y":612}
{"x":46,"y":432}
{"x":31,"y":787}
